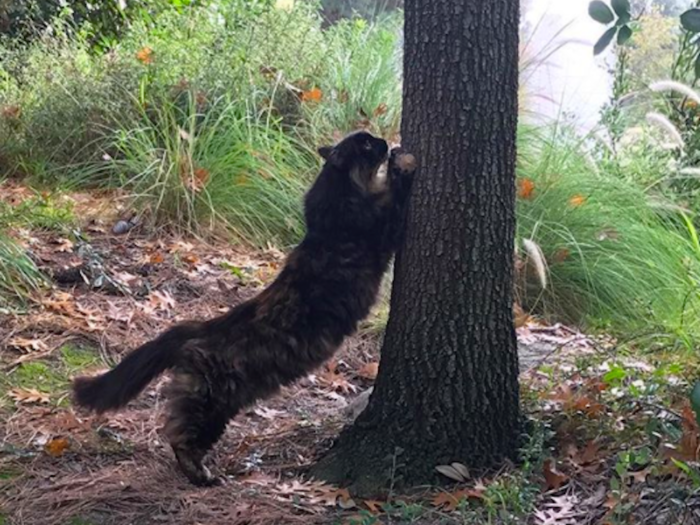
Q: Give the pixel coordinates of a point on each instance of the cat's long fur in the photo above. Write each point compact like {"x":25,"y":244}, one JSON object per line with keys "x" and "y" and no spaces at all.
{"x":354,"y":218}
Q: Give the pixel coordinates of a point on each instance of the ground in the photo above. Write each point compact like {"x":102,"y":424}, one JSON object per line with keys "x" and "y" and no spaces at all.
{"x":61,"y":466}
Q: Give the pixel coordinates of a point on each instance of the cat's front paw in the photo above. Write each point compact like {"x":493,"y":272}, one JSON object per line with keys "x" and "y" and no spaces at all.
{"x":402,"y":162}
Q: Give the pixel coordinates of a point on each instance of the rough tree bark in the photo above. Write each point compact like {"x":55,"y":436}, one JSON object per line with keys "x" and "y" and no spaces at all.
{"x":447,"y":388}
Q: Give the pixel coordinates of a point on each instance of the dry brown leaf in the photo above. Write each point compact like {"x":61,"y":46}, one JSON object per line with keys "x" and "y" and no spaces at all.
{"x":380,"y":110}
{"x":577,"y":200}
{"x":181,"y":246}
{"x":28,"y":345}
{"x":145,"y":55}
{"x":590,"y":453}
{"x":526,"y":188}
{"x":62,"y":245}
{"x":190,"y":258}
{"x":312,"y":95}
{"x":57,"y":447}
{"x":552,"y":476}
{"x":447,"y":501}
{"x":268,"y":413}
{"x":520,"y":316}
{"x":29,"y":396}
{"x":451,"y":500}
{"x":122,"y":315}
{"x":640,"y":476}
{"x":374,"y":506}
{"x":156,"y":258}
{"x":369,"y":370}
{"x":61,"y":303}
{"x":336,"y":381}
{"x":161,"y":300}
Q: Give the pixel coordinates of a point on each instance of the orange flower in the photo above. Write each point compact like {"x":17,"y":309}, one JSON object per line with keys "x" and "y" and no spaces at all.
{"x":577,"y":200}
{"x":525,"y":188}
{"x":312,"y":95}
{"x":145,"y":55}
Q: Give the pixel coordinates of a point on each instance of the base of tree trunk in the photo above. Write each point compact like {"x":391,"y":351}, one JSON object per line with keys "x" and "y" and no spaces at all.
{"x":367,"y":463}
{"x":371,"y":464}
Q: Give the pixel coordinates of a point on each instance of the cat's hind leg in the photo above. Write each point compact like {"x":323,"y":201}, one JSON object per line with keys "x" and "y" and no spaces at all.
{"x":197,"y":417}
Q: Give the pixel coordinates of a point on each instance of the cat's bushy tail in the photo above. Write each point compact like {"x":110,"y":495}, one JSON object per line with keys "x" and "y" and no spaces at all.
{"x":114,"y":389}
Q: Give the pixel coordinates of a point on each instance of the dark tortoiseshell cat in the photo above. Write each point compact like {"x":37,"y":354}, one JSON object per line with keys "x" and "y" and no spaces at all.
{"x":354,"y":216}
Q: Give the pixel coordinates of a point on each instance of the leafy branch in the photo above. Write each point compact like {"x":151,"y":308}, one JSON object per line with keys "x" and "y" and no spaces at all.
{"x":620,"y":16}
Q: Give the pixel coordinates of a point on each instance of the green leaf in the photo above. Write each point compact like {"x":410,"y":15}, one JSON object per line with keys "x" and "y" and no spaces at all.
{"x":622,"y":8}
{"x":624,"y":35}
{"x":604,"y":41}
{"x":697,"y":66}
{"x":600,"y":12}
{"x":615,"y":374}
{"x":695,"y":400}
{"x":690,"y":20}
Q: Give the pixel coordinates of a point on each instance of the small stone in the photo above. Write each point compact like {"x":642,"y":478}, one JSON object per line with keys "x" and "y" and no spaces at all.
{"x":122,"y":227}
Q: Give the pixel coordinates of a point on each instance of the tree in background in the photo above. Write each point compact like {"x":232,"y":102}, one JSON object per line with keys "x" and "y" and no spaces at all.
{"x":447,"y":389}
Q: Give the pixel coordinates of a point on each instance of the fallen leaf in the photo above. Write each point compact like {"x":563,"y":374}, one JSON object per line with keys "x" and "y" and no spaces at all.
{"x":577,"y":200}
{"x":552,"y":476}
{"x":336,"y":381}
{"x":588,"y":406}
{"x":520,"y":316}
{"x":122,"y":315}
{"x":63,"y":245}
{"x":161,"y":300}
{"x":369,"y":370}
{"x":380,"y":110}
{"x":268,"y":413}
{"x":57,"y":447}
{"x":259,"y":478}
{"x":198,"y":180}
{"x":28,"y":345}
{"x":312,"y":95}
{"x":447,"y":501}
{"x":451,"y":500}
{"x":374,"y":506}
{"x":590,"y":454}
{"x":190,"y":258}
{"x":29,"y":396}
{"x":156,"y":258}
{"x":640,"y":476}
{"x":526,"y":188}
{"x":455,"y":471}
{"x":145,"y":55}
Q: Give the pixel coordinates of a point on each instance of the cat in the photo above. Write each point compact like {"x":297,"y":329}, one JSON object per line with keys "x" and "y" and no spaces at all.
{"x":354,"y":214}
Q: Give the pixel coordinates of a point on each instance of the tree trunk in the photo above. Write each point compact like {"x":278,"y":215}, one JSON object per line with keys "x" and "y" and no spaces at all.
{"x":447,"y":388}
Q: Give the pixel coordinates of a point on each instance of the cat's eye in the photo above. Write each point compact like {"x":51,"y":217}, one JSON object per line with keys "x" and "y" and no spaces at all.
{"x":367,"y":145}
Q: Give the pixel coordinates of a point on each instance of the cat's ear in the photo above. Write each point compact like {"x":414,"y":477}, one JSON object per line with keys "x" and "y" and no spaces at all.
{"x":325,"y":152}
{"x":330,"y":154}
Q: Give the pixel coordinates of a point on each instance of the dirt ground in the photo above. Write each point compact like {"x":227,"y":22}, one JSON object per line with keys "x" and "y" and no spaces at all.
{"x":111,"y":292}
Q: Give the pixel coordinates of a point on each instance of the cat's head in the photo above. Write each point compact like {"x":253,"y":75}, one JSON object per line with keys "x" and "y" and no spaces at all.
{"x":361,"y":156}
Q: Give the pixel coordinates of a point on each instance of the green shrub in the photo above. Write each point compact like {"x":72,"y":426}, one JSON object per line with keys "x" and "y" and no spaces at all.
{"x":360,"y":79}
{"x":227,"y":169}
{"x":59,"y":103}
{"x":19,"y":277}
{"x":614,"y":255}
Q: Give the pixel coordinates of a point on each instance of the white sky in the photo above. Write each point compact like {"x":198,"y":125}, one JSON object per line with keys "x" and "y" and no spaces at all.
{"x":572,"y":80}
